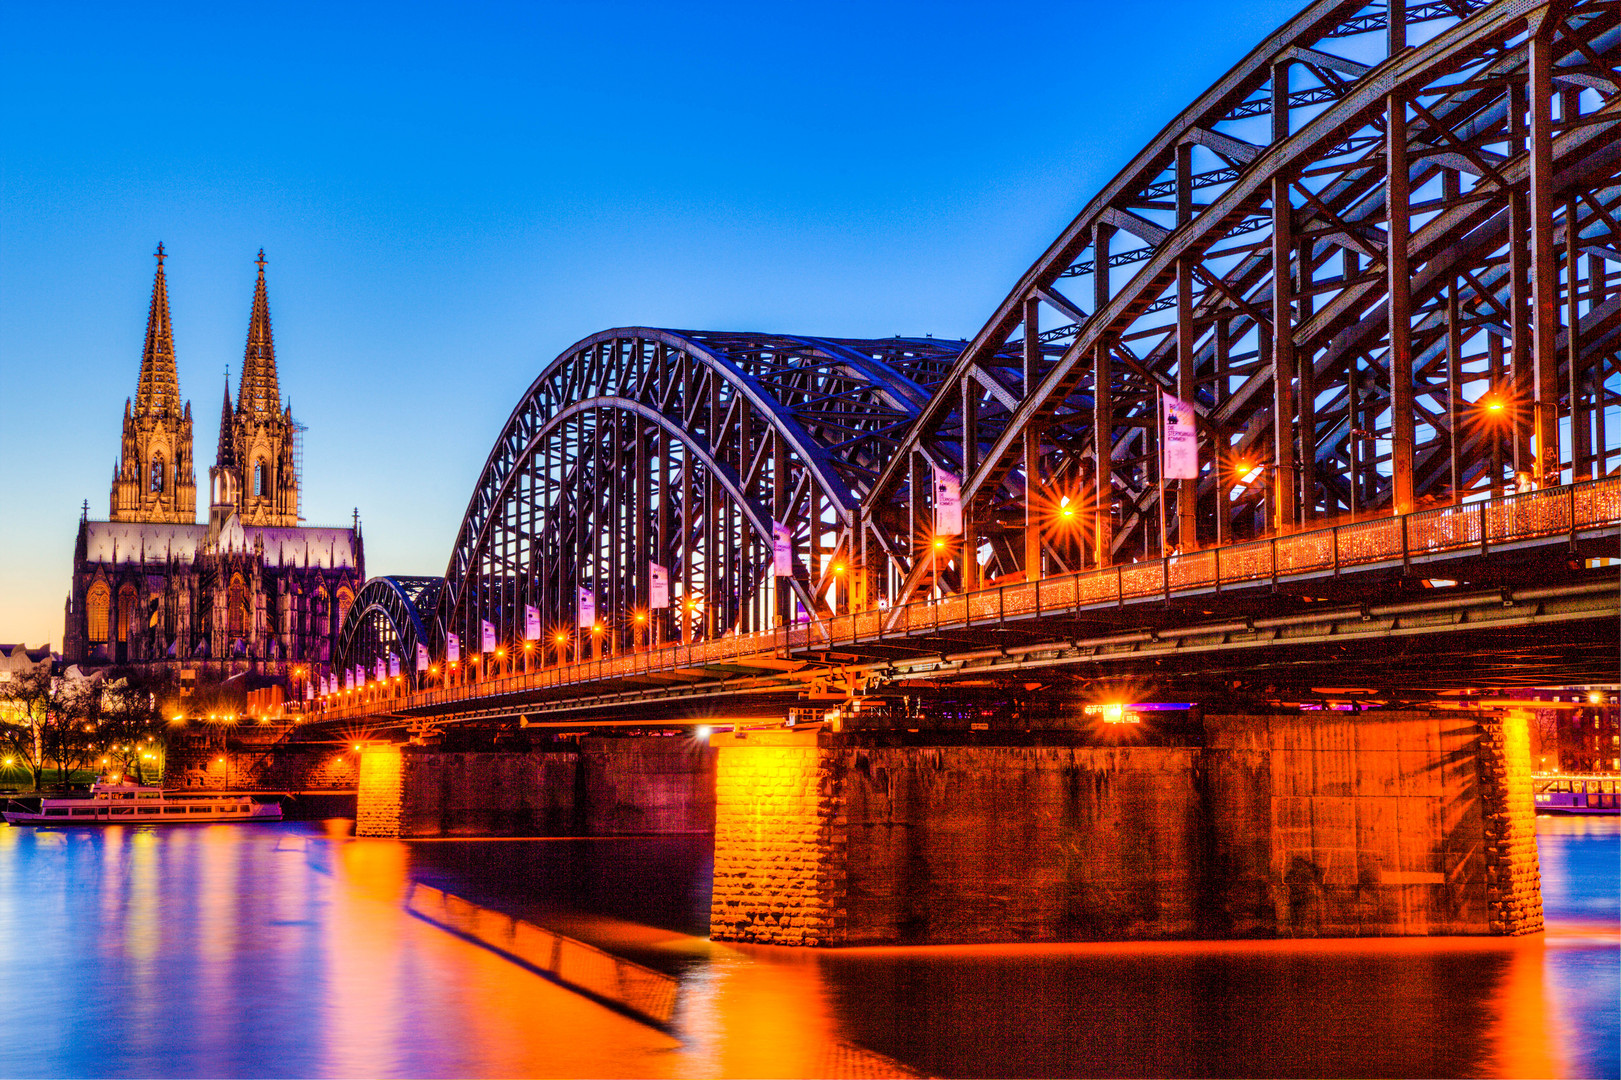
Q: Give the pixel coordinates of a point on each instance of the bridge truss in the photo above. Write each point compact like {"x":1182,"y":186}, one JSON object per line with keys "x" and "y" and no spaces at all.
{"x":640,"y":448}
{"x":1379,"y":258}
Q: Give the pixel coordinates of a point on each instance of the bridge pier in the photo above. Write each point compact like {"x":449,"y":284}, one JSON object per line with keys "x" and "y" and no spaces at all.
{"x":622,"y":786}
{"x":1305,"y":825}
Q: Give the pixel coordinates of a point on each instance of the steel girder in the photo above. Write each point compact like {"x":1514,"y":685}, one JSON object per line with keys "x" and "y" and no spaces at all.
{"x":638,"y":446}
{"x":387,"y":618}
{"x":1258,"y":261}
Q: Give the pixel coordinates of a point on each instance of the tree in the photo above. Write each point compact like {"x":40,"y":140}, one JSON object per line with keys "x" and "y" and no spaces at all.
{"x":25,"y":701}
{"x":130,"y":722}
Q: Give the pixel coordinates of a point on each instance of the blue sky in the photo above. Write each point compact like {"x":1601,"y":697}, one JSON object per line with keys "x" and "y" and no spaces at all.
{"x":449,"y":196}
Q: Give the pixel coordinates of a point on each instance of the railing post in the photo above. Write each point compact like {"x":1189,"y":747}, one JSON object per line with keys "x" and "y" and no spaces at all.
{"x":1119,"y":586}
{"x":1165,"y":577}
{"x":1571,"y":489}
{"x":1335,"y":532}
{"x":1217,"y":571}
{"x":1483,"y":504}
{"x":1273,"y":547}
{"x":1406,"y":548}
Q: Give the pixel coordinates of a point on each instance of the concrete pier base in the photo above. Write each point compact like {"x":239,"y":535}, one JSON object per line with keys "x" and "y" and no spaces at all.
{"x":1318,"y":824}
{"x":603,"y":787}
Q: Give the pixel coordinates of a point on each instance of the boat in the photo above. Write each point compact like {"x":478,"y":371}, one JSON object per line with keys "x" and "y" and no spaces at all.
{"x":115,"y":802}
{"x":1576,"y":793}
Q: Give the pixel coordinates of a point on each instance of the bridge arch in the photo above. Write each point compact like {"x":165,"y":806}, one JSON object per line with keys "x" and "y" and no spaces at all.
{"x":640,"y":446}
{"x":1256,"y":260}
{"x":390,"y":616}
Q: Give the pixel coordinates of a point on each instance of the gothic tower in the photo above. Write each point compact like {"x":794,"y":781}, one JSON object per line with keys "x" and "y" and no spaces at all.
{"x":264,"y":439}
{"x":155,"y":479}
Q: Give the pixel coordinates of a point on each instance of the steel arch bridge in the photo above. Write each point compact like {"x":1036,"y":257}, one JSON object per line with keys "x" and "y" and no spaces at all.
{"x":639,"y":447}
{"x":1379,"y":258}
{"x":386,"y":620}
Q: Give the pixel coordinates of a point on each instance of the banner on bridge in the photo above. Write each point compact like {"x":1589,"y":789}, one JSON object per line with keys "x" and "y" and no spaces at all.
{"x":658,"y":586}
{"x":453,"y":648}
{"x":947,"y":503}
{"x":1179,"y":440}
{"x":782,"y":549}
{"x":587,"y":613}
{"x":531,"y":623}
{"x":393,"y":665}
{"x":422,"y":657}
{"x":486,"y":631}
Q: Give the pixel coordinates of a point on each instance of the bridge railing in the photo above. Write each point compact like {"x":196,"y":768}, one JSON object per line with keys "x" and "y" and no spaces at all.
{"x":1317,"y":553}
{"x":1480,"y":526}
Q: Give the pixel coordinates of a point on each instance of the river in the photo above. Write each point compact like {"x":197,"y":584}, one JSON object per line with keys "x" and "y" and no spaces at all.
{"x":294,"y":950}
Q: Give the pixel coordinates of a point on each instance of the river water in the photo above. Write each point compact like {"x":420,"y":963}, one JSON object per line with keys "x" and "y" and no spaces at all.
{"x":294,"y":950}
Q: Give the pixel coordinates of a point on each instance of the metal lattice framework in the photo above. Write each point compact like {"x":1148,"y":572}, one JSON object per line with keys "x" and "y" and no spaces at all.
{"x":1429,"y":190}
{"x":640,"y":446}
{"x":387,"y":619}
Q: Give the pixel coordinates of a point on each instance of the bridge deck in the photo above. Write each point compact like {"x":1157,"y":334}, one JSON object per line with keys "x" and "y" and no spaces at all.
{"x":1582,"y":519}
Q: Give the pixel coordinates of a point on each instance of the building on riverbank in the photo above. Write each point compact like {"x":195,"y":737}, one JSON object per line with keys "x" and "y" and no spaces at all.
{"x":249,"y":589}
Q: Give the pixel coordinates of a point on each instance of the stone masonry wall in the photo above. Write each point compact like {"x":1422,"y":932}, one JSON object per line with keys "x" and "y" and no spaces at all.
{"x":253,"y":758}
{"x":610,"y":787}
{"x":1513,"y":873}
{"x":1375,"y":822}
{"x":781,"y":846}
{"x":380,"y":797}
{"x":1318,"y":824}
{"x":989,"y":843}
{"x":655,"y":785}
{"x":488,"y":794}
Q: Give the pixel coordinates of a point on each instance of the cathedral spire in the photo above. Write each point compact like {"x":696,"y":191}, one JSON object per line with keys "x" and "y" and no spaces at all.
{"x":259,"y":395}
{"x":225,"y":457}
{"x":155,"y":480}
{"x":158,"y":391}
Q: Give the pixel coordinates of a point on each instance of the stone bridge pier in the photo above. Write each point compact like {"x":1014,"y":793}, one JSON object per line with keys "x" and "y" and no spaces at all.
{"x":1306,"y":825}
{"x":1314,"y":824}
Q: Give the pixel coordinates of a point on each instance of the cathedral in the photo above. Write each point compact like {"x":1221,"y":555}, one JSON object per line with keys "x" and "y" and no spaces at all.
{"x":249,"y":589}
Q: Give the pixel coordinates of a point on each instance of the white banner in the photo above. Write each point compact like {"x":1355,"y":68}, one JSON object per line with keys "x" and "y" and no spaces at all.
{"x":453,"y":648}
{"x":348,"y":680}
{"x":393,"y":665}
{"x":422,"y":657}
{"x":782,"y":550}
{"x":487,"y":635}
{"x":531,"y":623}
{"x":658,"y":586}
{"x":360,"y":676}
{"x":309,"y":691}
{"x":1179,"y":440}
{"x":947,"y":504}
{"x":380,"y":670}
{"x":587,"y":610}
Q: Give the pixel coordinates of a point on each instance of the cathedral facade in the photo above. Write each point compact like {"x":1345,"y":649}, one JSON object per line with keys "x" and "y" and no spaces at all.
{"x":248,"y":588}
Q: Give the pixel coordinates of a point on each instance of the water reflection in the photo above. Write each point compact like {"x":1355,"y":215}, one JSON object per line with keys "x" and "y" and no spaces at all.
{"x":286,"y":949}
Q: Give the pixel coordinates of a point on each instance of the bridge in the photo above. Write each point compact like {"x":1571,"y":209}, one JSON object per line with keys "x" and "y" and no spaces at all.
{"x":1316,"y":405}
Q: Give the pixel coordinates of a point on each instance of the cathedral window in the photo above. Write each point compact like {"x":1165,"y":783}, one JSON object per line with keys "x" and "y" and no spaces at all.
{"x":96,"y":603}
{"x":344,"y":600}
{"x":236,"y":608}
{"x":259,"y":478}
{"x":157,"y":473}
{"x":126,"y":611}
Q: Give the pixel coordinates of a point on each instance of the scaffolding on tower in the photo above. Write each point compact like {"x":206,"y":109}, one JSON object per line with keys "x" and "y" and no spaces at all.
{"x":298,"y":467}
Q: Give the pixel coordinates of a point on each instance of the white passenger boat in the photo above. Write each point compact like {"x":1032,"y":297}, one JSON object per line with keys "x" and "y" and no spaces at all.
{"x":114,"y":803}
